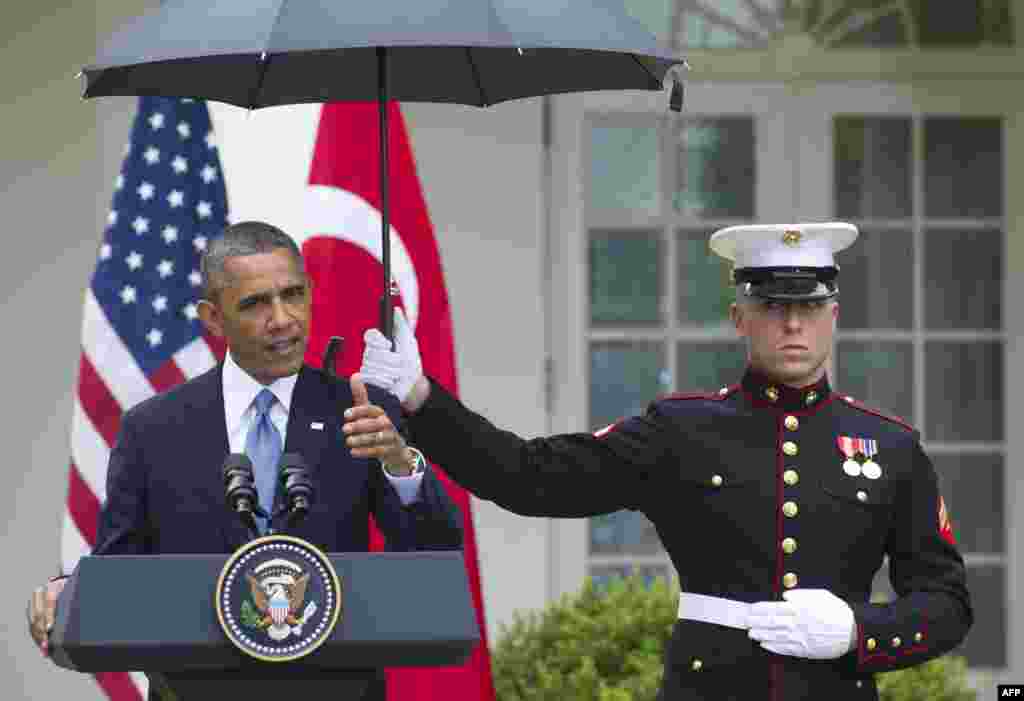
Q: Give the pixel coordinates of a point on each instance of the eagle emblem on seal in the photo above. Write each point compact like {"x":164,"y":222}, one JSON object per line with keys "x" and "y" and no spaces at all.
{"x":278,"y":589}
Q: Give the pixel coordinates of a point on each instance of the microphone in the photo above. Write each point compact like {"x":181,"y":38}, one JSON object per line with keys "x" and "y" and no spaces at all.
{"x":241,"y":491}
{"x":297,"y":486}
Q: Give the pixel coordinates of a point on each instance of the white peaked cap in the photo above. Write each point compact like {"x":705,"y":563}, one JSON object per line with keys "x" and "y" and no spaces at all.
{"x":783,"y":245}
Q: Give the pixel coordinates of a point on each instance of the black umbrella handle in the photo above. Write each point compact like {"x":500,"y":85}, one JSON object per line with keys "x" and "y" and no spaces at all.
{"x":387,"y":316}
{"x":387,"y":319}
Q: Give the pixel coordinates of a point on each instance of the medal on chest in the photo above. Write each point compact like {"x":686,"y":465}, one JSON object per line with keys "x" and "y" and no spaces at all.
{"x":859,"y":453}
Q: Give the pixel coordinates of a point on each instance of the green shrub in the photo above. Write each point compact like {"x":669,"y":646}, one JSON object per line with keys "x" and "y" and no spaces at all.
{"x":599,"y":644}
{"x":606,"y":644}
{"x":941,"y":679}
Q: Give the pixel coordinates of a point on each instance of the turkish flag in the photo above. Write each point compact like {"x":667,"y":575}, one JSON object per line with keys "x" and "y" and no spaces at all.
{"x":343,"y":253}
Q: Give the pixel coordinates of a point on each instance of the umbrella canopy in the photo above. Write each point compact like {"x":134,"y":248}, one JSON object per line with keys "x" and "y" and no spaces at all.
{"x":259,"y":53}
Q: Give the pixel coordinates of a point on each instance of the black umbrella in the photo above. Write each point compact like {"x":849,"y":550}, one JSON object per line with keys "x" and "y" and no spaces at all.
{"x":259,"y":53}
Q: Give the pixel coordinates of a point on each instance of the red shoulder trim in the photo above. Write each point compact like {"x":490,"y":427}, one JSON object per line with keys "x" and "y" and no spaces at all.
{"x":720,"y":394}
{"x":898,"y":420}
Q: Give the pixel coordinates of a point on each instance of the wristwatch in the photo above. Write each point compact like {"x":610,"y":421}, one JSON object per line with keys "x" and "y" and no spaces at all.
{"x":419,"y":463}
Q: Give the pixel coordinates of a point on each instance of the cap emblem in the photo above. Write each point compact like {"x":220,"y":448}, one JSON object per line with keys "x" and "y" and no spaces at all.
{"x":791,"y":237}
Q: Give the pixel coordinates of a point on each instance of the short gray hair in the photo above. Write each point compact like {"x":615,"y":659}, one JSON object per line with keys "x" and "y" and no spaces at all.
{"x":245,"y":238}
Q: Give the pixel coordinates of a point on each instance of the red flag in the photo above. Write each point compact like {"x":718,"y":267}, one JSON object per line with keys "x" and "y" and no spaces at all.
{"x":342,"y":252}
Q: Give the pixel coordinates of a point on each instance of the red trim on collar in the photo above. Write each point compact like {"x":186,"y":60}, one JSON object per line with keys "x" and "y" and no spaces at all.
{"x":701,"y":395}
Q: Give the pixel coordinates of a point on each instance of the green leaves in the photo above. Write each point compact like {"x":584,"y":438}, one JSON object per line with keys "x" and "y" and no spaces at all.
{"x":600,"y":644}
{"x":941,"y":679}
{"x":249,"y":616}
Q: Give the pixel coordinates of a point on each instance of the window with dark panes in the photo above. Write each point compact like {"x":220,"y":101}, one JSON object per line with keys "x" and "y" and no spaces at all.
{"x":658,"y":297}
{"x":922,"y":334}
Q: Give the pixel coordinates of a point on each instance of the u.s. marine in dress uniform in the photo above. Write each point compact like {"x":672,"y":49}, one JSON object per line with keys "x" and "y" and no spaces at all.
{"x":777,"y":498}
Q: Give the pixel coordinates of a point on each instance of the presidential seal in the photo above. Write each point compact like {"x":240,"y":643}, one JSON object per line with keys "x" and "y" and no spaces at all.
{"x":278,"y":598}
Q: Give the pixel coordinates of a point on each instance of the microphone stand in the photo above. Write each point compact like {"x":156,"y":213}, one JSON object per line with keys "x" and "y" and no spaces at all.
{"x":240,"y":491}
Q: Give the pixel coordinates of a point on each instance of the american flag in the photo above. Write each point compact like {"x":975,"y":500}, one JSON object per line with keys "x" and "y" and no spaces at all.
{"x":140,"y":331}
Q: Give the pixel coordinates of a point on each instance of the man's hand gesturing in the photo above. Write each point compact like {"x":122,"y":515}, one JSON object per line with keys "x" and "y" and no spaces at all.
{"x":370,"y":433}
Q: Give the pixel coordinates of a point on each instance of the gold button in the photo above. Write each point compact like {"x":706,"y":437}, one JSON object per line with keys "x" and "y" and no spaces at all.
{"x":792,"y":423}
{"x":862,"y":495}
{"x":696,"y":665}
{"x":789,"y":545}
{"x":789,"y":580}
{"x":789,"y":508}
{"x":896,"y":642}
{"x":790,"y":477}
{"x":772,"y":393}
{"x":789,"y":448}
{"x":717,"y":480}
{"x":811,"y":397}
{"x":918,"y":637}
{"x":871,"y":644}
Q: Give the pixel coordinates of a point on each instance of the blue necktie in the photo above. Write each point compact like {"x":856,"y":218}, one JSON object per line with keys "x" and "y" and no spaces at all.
{"x":263,"y":446}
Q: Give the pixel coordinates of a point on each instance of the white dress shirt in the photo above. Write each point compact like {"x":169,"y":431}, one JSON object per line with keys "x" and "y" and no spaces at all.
{"x":240,"y":390}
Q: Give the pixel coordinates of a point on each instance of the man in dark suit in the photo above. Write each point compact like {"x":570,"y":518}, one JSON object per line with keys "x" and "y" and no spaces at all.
{"x":165,"y":491}
{"x":777,"y":498}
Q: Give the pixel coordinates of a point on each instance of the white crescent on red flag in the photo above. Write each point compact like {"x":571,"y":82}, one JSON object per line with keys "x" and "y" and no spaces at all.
{"x":342,"y":248}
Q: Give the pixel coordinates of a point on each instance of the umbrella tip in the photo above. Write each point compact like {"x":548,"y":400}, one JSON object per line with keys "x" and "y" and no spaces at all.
{"x":675,"y":101}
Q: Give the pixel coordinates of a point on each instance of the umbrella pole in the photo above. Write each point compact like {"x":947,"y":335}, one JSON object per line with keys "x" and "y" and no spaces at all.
{"x":386,"y":316}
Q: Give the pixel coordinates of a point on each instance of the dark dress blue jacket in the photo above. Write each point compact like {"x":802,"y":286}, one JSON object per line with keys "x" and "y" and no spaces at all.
{"x":747,"y":490}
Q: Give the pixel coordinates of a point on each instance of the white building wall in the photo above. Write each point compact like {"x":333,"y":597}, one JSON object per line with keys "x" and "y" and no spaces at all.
{"x":58,"y":158}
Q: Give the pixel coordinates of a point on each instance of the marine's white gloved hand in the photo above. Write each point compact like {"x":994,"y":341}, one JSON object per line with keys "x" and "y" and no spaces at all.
{"x":395,"y":371}
{"x":811,"y":623}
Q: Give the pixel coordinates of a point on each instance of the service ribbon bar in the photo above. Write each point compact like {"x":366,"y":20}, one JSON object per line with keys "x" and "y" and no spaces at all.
{"x":847,"y":446}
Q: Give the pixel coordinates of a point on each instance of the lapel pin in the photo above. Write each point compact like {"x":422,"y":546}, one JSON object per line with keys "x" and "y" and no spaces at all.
{"x":317,"y":425}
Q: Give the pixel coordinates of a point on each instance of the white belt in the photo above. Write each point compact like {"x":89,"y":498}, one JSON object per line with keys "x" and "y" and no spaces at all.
{"x":713,"y":609}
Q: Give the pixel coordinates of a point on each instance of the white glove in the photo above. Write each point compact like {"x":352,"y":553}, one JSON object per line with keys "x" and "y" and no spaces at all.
{"x":811,"y":623}
{"x":394,"y":371}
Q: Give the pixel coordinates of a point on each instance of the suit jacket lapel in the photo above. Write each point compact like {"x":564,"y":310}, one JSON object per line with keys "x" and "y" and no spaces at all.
{"x":312,"y":425}
{"x":206,"y":408}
